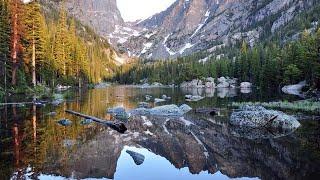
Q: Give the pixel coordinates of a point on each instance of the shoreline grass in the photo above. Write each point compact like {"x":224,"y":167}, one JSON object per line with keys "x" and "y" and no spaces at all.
{"x":305,"y":105}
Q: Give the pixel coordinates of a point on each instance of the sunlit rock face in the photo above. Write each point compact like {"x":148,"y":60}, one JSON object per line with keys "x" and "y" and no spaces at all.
{"x":190,"y":26}
{"x":101,"y":15}
{"x":186,"y":26}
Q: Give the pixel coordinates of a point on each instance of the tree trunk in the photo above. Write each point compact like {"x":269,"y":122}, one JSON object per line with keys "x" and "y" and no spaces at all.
{"x":34,"y":79}
{"x":15,"y":45}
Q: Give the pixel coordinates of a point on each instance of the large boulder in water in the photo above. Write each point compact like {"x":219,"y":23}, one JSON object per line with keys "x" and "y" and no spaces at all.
{"x":295,"y":89}
{"x":245,"y":85}
{"x":257,"y":116}
{"x":166,"y":110}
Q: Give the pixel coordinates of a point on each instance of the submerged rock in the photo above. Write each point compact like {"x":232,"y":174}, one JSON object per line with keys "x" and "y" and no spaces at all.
{"x":119,"y":113}
{"x":257,"y":116}
{"x":137,"y":157}
{"x":148,"y":97}
{"x":157,"y":100}
{"x":193,"y":98}
{"x":69,"y":143}
{"x":52,"y":114}
{"x":101,"y":85}
{"x":166,"y":97}
{"x":86,"y":121}
{"x":65,"y":122}
{"x":143,"y":105}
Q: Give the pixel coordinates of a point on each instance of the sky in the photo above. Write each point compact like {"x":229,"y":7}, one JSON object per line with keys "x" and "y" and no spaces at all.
{"x":132,"y":10}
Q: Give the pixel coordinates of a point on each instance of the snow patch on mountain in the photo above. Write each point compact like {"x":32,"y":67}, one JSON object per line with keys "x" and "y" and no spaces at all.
{"x":201,"y":24}
{"x":165,"y":45}
{"x":185,"y":47}
{"x":146,"y":47}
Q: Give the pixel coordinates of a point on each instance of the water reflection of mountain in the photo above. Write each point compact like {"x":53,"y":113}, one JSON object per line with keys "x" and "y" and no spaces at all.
{"x":31,"y":138}
{"x":198,"y":144}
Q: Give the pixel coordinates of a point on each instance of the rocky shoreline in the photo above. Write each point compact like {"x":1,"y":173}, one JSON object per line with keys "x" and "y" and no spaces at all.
{"x":211,"y":83}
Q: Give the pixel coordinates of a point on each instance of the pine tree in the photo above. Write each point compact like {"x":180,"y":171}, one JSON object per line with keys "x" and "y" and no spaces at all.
{"x":34,"y":37}
{"x":15,"y":7}
{"x":4,"y":40}
{"x":62,"y":45}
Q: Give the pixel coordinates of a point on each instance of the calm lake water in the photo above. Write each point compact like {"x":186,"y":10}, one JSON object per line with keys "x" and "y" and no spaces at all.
{"x":196,"y":146}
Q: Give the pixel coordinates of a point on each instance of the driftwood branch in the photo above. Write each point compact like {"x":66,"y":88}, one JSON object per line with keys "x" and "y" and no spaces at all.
{"x":120,"y":127}
{"x":268,"y":124}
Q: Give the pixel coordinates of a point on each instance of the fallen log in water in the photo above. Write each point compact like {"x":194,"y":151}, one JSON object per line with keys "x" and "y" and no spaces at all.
{"x":120,"y":127}
{"x":19,"y":103}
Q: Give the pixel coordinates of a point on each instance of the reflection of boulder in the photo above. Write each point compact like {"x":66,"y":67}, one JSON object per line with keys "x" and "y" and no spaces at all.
{"x":226,"y":92}
{"x":97,"y":158}
{"x":258,"y":133}
{"x":245,"y":90}
{"x":137,"y":157}
{"x":191,"y":98}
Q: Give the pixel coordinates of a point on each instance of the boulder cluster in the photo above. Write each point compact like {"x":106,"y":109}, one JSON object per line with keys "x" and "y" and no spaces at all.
{"x":222,"y":82}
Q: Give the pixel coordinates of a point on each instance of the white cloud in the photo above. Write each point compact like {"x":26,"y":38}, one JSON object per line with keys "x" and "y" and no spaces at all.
{"x":132,"y":10}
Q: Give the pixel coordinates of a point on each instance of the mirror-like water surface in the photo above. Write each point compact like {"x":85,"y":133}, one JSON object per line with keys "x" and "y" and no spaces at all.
{"x":196,"y":146}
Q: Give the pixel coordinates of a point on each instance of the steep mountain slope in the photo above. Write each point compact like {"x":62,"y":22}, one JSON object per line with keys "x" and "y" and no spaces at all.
{"x":188,"y":26}
{"x":101,"y":15}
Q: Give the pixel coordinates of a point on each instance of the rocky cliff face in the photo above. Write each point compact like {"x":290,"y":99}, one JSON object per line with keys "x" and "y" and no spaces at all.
{"x":101,"y":15}
{"x":188,"y":26}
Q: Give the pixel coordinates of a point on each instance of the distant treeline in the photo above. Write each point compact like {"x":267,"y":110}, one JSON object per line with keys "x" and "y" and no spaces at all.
{"x":266,"y":65}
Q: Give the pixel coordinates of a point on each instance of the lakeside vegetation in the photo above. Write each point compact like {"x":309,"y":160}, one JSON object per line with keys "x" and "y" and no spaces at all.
{"x":305,"y":105}
{"x":41,"y":47}
{"x":265,"y":65}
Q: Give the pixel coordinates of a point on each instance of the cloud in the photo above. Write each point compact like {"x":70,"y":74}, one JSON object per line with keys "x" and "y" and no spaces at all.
{"x":132,"y":10}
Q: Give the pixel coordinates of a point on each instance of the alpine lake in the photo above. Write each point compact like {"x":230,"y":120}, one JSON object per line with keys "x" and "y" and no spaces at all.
{"x":33,"y":145}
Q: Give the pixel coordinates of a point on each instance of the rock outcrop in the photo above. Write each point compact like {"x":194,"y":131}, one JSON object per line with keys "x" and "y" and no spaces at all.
{"x":166,"y":110}
{"x":295,"y":89}
{"x":197,"y":83}
{"x":259,"y":117}
{"x":226,"y":82}
{"x":194,"y":25}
